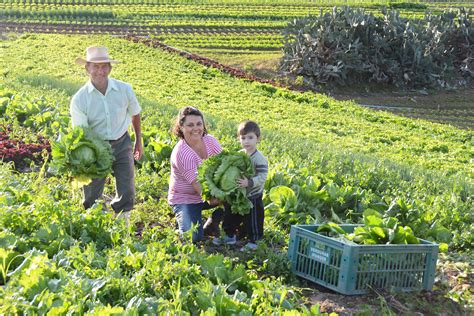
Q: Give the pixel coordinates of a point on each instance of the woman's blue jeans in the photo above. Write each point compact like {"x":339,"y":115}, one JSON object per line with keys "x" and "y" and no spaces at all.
{"x":188,"y":215}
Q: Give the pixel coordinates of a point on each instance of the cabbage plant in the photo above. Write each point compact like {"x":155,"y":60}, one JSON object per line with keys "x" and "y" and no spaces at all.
{"x":82,"y":155}
{"x":218,"y":178}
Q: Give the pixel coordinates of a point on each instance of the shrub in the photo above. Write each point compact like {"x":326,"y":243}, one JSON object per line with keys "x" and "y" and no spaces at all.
{"x":349,"y":46}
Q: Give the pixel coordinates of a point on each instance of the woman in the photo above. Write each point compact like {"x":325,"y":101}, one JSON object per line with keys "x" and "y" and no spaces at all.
{"x":194,"y":146}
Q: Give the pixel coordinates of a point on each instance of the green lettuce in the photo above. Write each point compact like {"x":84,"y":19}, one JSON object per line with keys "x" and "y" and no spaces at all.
{"x":218,"y":178}
{"x":82,"y":155}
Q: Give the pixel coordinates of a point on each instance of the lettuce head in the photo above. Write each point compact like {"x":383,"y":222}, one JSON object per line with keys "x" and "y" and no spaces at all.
{"x":85,"y":154}
{"x":218,"y":177}
{"x":82,"y":155}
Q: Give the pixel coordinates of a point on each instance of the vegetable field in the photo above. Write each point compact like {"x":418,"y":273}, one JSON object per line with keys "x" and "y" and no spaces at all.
{"x":243,"y":33}
{"x":329,"y":161}
{"x":222,"y":26}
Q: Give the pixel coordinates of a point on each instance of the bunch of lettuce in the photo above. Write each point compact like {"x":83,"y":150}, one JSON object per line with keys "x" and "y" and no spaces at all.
{"x":82,"y":155}
{"x":218,"y":178}
{"x":376,"y":230}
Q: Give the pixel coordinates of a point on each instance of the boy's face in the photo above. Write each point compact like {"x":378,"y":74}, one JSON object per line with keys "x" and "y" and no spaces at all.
{"x":249,"y":142}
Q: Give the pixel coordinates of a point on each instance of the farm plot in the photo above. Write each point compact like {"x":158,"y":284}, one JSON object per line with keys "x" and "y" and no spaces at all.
{"x":353,"y":158}
{"x":245,"y":25}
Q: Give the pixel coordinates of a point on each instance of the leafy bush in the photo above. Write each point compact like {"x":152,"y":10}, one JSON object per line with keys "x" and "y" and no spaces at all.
{"x":349,"y":46}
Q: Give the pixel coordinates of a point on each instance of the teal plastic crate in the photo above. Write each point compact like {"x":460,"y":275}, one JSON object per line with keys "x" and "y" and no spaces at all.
{"x":356,"y":269}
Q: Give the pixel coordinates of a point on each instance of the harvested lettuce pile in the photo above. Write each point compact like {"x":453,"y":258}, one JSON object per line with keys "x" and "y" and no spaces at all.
{"x":218,"y":178}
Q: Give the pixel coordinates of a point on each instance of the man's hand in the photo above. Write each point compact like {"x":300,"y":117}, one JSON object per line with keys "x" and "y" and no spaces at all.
{"x":138,"y":151}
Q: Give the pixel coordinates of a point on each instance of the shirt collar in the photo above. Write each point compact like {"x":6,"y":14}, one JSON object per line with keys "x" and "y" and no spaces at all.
{"x":110,"y":85}
{"x":90,"y":86}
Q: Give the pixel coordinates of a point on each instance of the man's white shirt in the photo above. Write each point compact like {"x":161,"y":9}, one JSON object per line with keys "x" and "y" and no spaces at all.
{"x":107,"y":115}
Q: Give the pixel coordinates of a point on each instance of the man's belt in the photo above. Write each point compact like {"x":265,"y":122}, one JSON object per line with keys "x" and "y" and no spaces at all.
{"x":118,"y":139}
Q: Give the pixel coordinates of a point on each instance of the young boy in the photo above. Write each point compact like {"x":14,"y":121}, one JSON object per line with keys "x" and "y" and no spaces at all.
{"x":248,"y":134}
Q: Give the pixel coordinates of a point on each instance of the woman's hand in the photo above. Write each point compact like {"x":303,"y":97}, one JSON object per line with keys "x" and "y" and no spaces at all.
{"x":243,"y":183}
{"x":196,"y":186}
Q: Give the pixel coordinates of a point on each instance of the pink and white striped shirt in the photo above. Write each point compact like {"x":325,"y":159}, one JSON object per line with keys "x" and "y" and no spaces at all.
{"x":184,"y":164}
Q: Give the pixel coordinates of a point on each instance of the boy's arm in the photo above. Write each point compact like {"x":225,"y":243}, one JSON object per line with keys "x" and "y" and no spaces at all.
{"x":261,"y":172}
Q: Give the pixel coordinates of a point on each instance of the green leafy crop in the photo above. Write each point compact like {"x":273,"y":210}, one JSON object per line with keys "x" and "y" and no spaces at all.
{"x":349,"y":46}
{"x":375,"y":231}
{"x":82,"y":155}
{"x":218,"y":177}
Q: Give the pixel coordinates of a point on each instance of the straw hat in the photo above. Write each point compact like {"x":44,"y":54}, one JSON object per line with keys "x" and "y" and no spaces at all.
{"x":96,"y":54}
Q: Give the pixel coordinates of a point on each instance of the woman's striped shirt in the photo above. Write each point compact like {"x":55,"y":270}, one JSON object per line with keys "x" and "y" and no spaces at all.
{"x":184,"y":164}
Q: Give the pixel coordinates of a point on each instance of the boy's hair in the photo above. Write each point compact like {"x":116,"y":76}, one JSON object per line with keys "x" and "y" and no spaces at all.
{"x":248,"y":127}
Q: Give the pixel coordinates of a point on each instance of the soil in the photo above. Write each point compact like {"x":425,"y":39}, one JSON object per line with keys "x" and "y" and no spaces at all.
{"x":449,"y":107}
{"x":416,"y":303}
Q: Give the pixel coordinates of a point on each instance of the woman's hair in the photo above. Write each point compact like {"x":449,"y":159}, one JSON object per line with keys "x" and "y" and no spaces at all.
{"x":248,"y":127}
{"x":188,"y":110}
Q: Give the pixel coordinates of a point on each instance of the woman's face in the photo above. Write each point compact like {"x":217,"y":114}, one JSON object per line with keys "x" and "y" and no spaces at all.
{"x":193,"y":128}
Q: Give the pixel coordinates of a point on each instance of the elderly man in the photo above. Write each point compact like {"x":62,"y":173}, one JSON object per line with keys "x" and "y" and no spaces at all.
{"x":108,"y":106}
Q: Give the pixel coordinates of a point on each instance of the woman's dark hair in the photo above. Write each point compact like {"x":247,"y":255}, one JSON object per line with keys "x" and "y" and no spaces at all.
{"x":248,"y":127}
{"x":188,"y":110}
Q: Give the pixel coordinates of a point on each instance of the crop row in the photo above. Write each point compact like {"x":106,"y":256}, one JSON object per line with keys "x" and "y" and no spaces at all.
{"x":199,"y":13}
{"x":183,"y":12}
{"x":463,"y":118}
{"x":161,"y":2}
{"x":227,"y":2}
{"x":121,"y":30}
{"x":266,"y":26}
{"x":223,"y":41}
{"x":21,"y":153}
{"x":171,"y":9}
